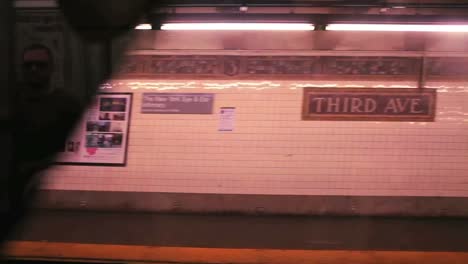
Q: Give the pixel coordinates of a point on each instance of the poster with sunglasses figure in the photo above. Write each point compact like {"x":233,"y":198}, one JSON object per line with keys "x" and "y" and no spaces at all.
{"x":41,"y":46}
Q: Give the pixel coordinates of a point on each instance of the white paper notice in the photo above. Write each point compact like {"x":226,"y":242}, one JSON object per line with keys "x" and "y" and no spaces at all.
{"x":226,"y":118}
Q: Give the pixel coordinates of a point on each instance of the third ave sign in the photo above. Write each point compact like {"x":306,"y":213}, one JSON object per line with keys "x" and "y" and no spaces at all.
{"x":369,"y":104}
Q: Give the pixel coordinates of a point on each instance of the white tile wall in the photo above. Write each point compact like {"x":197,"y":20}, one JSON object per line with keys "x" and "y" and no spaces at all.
{"x":271,"y":151}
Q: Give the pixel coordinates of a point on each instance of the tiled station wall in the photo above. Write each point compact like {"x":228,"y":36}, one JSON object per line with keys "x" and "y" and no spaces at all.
{"x":272,"y":151}
{"x":182,"y":162}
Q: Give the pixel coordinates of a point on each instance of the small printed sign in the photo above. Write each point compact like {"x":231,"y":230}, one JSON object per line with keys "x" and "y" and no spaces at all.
{"x":369,"y":104}
{"x":177,"y":103}
{"x":226,"y":118}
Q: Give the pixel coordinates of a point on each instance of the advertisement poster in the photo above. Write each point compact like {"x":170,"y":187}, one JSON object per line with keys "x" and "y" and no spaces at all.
{"x":101,"y":137}
{"x":45,"y":28}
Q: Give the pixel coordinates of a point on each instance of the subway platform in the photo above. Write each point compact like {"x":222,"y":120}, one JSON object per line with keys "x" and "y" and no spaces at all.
{"x":92,"y":236}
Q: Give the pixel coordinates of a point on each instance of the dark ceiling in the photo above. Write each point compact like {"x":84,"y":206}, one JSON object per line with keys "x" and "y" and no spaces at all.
{"x":318,"y":12}
{"x":322,"y":3}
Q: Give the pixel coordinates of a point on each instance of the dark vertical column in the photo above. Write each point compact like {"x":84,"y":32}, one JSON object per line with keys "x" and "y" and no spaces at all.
{"x":97,"y":64}
{"x":6,"y":89}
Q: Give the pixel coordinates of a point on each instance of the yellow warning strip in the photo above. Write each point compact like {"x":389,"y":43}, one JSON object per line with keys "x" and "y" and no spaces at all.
{"x":127,"y":253}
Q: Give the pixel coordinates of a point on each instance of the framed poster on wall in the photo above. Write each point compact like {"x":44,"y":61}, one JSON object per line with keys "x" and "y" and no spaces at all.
{"x":43,"y":28}
{"x":101,"y":137}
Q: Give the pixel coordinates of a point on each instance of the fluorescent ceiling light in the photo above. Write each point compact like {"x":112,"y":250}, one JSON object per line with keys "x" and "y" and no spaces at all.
{"x":237,"y":26}
{"x":398,"y":27}
{"x":144,"y":27}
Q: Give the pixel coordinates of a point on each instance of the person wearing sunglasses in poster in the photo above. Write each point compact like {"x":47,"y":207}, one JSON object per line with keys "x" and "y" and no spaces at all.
{"x":43,"y":117}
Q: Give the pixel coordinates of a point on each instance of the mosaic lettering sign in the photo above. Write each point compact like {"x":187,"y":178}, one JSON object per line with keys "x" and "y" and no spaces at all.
{"x":369,"y":104}
{"x":447,"y":67}
{"x":389,"y":66}
{"x":271,"y":67}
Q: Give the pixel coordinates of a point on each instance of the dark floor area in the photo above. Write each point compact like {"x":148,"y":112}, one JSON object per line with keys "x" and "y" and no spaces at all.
{"x":45,"y":262}
{"x":225,"y":231}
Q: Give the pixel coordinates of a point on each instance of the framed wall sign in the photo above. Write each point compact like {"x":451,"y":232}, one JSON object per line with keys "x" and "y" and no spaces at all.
{"x":44,"y":27}
{"x":369,"y":104}
{"x":177,"y":103}
{"x":101,"y":138}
